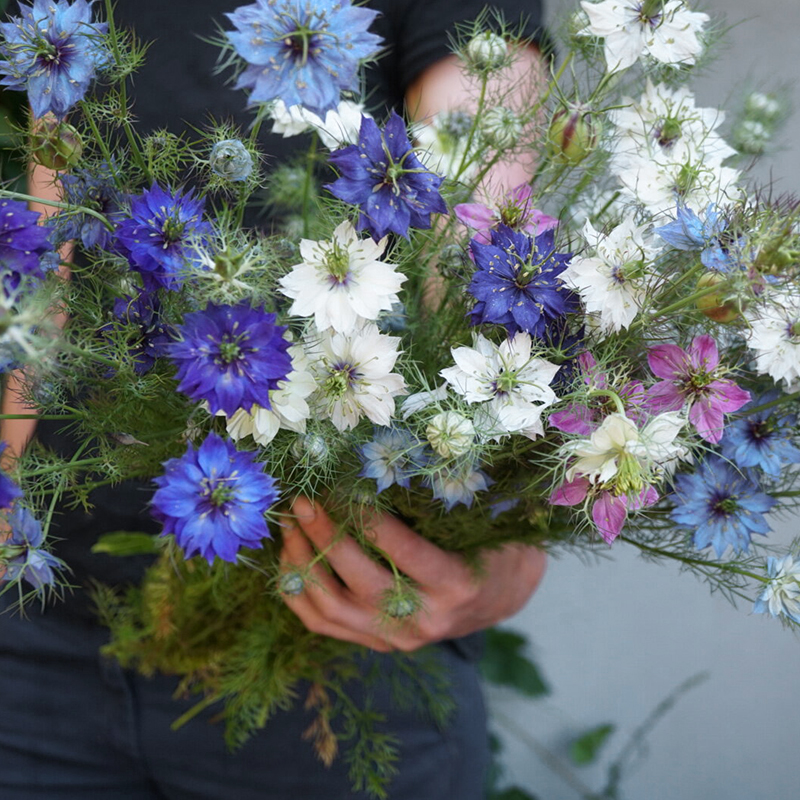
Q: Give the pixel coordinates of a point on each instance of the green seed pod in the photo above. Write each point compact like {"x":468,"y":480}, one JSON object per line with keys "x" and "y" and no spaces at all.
{"x":572,"y":134}
{"x":56,"y":145}
{"x":291,"y":583}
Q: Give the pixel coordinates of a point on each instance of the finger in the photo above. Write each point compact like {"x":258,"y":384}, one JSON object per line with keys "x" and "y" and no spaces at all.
{"x":363,"y":576}
{"x":313,"y":603}
{"x":421,"y":560}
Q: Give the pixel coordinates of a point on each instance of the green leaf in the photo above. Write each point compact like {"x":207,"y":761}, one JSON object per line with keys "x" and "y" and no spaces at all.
{"x":504,"y":664}
{"x":127,"y":543}
{"x":585,"y":749}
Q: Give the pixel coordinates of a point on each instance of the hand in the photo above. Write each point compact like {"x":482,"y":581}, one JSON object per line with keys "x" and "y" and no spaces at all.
{"x":455,"y":601}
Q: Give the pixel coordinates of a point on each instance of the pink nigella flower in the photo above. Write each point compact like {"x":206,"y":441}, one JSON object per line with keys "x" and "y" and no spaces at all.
{"x":691,"y":378}
{"x":582,"y":419}
{"x":514,"y":211}
{"x":609,"y":510}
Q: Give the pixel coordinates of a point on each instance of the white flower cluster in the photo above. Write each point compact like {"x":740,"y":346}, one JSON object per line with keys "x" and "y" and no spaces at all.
{"x":614,"y":283}
{"x":667,"y":33}
{"x":666,"y":151}
{"x":340,"y":126}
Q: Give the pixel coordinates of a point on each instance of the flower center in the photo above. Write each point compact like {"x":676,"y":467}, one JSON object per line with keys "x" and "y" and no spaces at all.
{"x":726,"y":506}
{"x":506,"y":381}
{"x":629,"y":474}
{"x":230,"y":348}
{"x":218,"y":491}
{"x":337,"y":260}
{"x":301,"y":43}
{"x":686,"y":179}
{"x":650,"y":12}
{"x":339,"y":381}
{"x":794,"y":331}
{"x":172,"y":229}
{"x":668,"y":133}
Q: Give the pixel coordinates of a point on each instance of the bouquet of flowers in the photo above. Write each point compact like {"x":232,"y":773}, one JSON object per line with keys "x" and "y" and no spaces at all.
{"x":608,"y":353}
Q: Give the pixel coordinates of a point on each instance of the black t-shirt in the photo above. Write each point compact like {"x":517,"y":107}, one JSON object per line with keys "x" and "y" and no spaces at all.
{"x":177,"y":87}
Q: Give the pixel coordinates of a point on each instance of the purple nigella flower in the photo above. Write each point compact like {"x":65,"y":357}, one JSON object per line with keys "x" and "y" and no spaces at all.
{"x":9,"y":491}
{"x":304,"y":52}
{"x":159,"y":235}
{"x":517,"y":283}
{"x":383,"y":176}
{"x":691,"y":377}
{"x":51,"y":51}
{"x":582,"y":419}
{"x":23,"y":554}
{"x":393,"y":456}
{"x":231,"y":357}
{"x":721,"y":505}
{"x":763,"y":439}
{"x":25,"y":248}
{"x":153,"y":337}
{"x":95,"y":190}
{"x":213,"y":499}
{"x":609,"y":510}
{"x":515,"y":212}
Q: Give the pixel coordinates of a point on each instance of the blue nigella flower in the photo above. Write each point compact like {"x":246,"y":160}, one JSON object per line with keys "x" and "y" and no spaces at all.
{"x":52,"y":51}
{"x":393,"y":456}
{"x":9,"y":491}
{"x":23,"y":552}
{"x":382,"y":175}
{"x":161,"y":233}
{"x":721,"y":505}
{"x":304,"y":52}
{"x":457,"y":483}
{"x":152,"y":337}
{"x":213,"y":499}
{"x":93,"y":189}
{"x":763,"y":439}
{"x":230,"y":356}
{"x":517,"y":283}
{"x":25,"y":248}
{"x":689,"y":232}
{"x":231,"y":160}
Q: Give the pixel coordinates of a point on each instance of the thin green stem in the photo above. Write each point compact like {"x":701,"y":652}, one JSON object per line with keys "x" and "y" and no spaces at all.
{"x":787,"y":398}
{"x":196,"y":709}
{"x":717,"y":565}
{"x":28,"y":198}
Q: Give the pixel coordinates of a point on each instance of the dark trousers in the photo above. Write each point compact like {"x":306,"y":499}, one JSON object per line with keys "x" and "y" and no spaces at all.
{"x":76,"y":725}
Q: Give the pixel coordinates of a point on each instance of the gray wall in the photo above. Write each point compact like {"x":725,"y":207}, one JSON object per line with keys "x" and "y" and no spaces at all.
{"x":614,"y":638}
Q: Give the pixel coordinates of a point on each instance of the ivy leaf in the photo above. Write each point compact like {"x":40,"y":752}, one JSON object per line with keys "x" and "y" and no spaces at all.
{"x":127,"y":543}
{"x":504,"y":664}
{"x":585,"y":749}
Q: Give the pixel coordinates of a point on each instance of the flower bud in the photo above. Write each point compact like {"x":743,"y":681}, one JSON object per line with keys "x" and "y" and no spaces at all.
{"x":486,"y":51}
{"x":450,"y":434}
{"x":311,"y":447}
{"x":231,"y":160}
{"x":751,"y":137}
{"x":765,"y":107}
{"x":713,"y":305}
{"x":56,"y":145}
{"x":572,"y":134}
{"x":501,"y":127}
{"x":291,"y":583}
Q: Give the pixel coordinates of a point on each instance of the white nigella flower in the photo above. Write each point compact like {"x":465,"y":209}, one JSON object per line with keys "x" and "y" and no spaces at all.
{"x":775,"y":337}
{"x":341,"y":282}
{"x":340,"y":126}
{"x":289,"y":408}
{"x":782,"y":594}
{"x":666,"y":31}
{"x":450,"y":434}
{"x":613,"y":283}
{"x":619,"y":452}
{"x":661,"y":181}
{"x":663,"y":119}
{"x":512,"y":385}
{"x":354,"y":376}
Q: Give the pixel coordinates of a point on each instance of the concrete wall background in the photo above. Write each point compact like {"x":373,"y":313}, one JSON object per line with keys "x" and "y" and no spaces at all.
{"x":614,"y":638}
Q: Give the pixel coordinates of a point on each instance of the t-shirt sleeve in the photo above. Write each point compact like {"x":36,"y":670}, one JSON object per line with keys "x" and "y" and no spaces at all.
{"x":419,"y":32}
